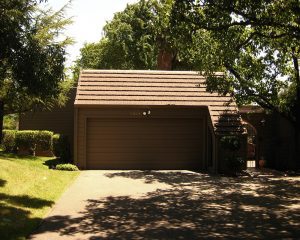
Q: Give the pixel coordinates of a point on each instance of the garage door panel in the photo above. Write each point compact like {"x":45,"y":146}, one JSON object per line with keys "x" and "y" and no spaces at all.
{"x":128,"y":131}
{"x":130,"y":153}
{"x":144,"y":144}
{"x":139,"y":144}
{"x":147,"y":164}
{"x":141,"y":122}
{"x":178,"y":136}
{"x":153,"y":148}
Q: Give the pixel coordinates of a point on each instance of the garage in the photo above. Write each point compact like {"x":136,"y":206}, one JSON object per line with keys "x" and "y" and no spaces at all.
{"x":127,"y":119}
{"x":145,"y":143}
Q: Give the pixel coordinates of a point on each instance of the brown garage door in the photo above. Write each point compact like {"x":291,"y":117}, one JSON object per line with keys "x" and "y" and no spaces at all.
{"x":144,"y":143}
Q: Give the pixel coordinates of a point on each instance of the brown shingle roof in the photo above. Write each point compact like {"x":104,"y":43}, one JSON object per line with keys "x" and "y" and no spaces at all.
{"x":157,"y":88}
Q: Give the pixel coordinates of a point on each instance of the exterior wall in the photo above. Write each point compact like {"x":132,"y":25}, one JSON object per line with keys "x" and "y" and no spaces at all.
{"x":287,"y":142}
{"x":84,"y":113}
{"x":266,"y":127}
{"x":275,"y":139}
{"x":211,"y":146}
{"x":59,"y":120}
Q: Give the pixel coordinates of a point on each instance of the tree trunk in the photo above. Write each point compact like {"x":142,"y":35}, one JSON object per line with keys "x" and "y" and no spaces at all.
{"x":1,"y":118}
{"x":164,"y":60}
{"x":297,"y":130}
{"x":297,"y":108}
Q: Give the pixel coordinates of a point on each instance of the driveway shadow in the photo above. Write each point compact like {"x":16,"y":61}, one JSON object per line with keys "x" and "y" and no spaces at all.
{"x":196,"y":206}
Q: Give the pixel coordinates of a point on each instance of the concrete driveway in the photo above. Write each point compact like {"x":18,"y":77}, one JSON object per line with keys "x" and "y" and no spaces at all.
{"x":174,"y":205}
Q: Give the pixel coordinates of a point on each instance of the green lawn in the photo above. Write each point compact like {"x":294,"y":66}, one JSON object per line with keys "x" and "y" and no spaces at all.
{"x":28,"y":189}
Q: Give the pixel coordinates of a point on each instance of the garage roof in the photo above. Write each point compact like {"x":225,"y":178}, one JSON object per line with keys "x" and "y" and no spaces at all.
{"x":156,"y":88}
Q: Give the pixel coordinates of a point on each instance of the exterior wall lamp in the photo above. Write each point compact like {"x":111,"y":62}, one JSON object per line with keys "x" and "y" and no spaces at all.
{"x":145,"y":113}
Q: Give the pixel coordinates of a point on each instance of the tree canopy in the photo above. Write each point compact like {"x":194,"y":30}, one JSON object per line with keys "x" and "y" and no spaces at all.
{"x":256,"y":44}
{"x":31,"y":56}
{"x":140,"y":37}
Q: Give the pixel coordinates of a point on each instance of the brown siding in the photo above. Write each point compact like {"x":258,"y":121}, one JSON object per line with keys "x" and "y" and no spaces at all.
{"x":275,"y":138}
{"x":59,"y":119}
{"x":168,"y":138}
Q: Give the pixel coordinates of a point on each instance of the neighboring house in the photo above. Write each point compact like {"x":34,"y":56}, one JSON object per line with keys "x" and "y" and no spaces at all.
{"x":145,"y":120}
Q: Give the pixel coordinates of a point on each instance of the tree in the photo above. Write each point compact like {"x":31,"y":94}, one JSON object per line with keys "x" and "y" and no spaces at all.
{"x":256,"y":44}
{"x":140,"y":37}
{"x":31,"y":56}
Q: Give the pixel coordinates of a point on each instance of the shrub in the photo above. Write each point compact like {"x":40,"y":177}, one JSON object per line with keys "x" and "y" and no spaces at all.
{"x":31,"y":140}
{"x":43,"y":140}
{"x":67,"y":167}
{"x":10,"y":121}
{"x":235,"y":164}
{"x":8,"y":140}
{"x":61,"y":147}
{"x":26,"y":139}
{"x":232,"y":143}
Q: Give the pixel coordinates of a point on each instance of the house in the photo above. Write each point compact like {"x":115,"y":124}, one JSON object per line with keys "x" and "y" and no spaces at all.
{"x":128,"y":119}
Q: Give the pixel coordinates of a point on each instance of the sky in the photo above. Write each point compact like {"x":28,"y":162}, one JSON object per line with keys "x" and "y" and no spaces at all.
{"x":89,"y":18}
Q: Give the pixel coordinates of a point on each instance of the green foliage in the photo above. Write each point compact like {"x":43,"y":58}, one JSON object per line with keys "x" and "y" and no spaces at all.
{"x":11,"y":121}
{"x":61,"y":147}
{"x":67,"y":167}
{"x":255,"y":43}
{"x":231,"y":143}
{"x":134,"y":38}
{"x":26,"y":139}
{"x":235,"y":164}
{"x":32,"y":140}
{"x":8,"y":140}
{"x":43,"y":140}
{"x":32,"y":55}
{"x":128,"y":43}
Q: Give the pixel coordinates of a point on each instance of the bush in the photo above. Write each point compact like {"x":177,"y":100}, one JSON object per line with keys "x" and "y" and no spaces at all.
{"x":26,"y":139}
{"x":32,"y":140}
{"x":61,"y":147}
{"x":235,"y":164}
{"x":43,"y":140}
{"x":10,"y":121}
{"x":67,"y":167}
{"x":9,"y":141}
{"x":232,"y":143}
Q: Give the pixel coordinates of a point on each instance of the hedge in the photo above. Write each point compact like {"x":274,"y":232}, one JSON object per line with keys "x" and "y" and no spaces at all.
{"x":30,"y":141}
{"x":44,"y":140}
{"x":27,"y":139}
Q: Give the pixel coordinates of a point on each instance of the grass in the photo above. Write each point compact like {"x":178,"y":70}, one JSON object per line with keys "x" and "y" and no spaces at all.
{"x":28,"y":189}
